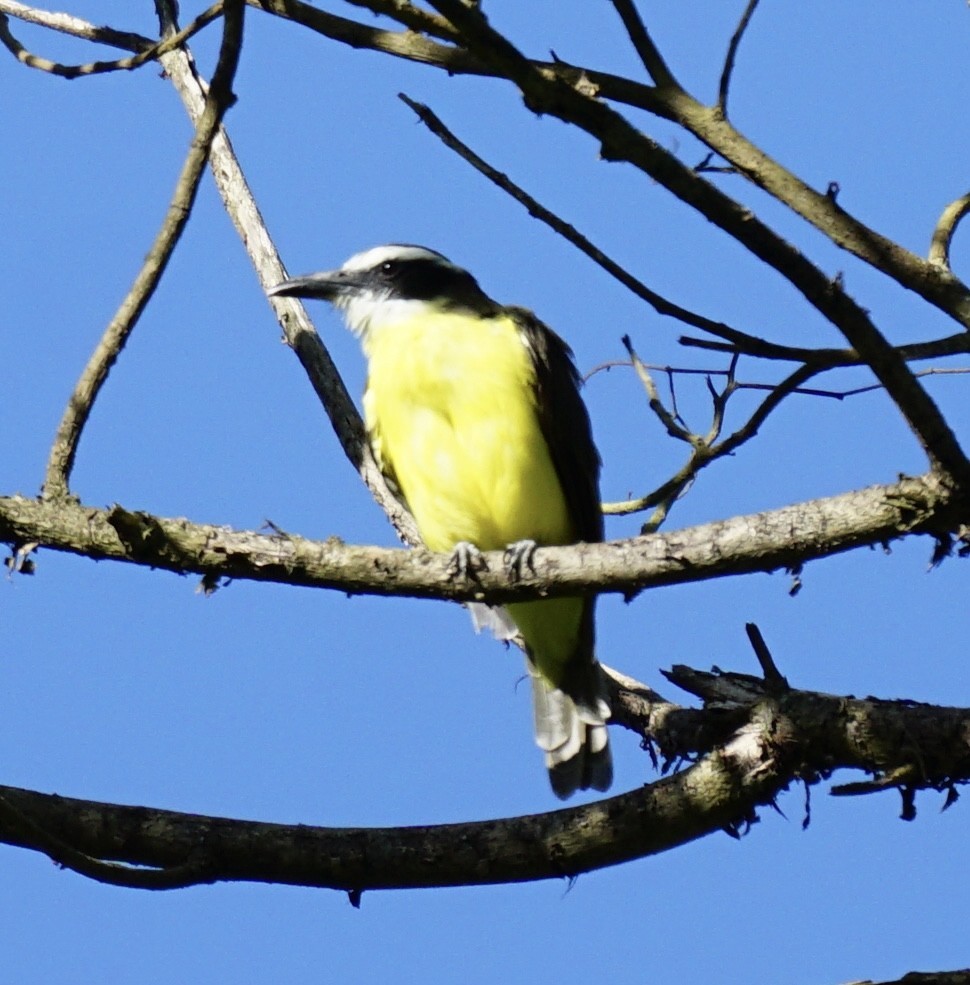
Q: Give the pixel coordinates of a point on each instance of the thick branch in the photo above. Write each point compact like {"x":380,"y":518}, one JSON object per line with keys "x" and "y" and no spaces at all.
{"x":720,"y":791}
{"x":921,"y":745}
{"x":932,"y":282}
{"x":961,"y":977}
{"x":792,"y":735}
{"x":783,"y":538}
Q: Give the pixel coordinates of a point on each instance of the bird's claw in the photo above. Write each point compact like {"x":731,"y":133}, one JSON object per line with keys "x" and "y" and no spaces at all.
{"x":466,"y":561}
{"x":518,"y":558}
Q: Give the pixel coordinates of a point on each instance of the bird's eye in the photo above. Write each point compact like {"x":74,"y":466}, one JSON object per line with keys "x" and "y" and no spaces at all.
{"x":388,"y":267}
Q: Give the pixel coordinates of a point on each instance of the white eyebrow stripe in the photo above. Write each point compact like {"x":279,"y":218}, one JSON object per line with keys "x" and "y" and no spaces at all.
{"x":374,"y":257}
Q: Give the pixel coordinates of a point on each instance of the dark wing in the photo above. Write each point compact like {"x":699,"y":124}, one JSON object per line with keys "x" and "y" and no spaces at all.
{"x":565,"y":423}
{"x":569,"y":437}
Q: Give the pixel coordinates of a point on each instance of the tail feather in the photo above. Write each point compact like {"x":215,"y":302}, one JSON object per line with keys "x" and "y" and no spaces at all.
{"x":494,"y":618}
{"x":572,"y":733}
{"x":570,"y":721}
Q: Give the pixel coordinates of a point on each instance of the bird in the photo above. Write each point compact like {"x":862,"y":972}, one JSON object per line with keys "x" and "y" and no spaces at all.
{"x":474,"y":414}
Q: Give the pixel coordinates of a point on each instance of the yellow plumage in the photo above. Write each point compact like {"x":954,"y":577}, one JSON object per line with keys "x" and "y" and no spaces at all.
{"x":467,"y":450}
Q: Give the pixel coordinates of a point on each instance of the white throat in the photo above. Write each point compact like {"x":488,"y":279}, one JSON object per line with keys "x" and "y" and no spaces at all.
{"x":367,"y":313}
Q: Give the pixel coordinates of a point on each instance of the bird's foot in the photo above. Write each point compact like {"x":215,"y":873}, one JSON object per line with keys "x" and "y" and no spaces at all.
{"x":518,"y":559}
{"x":466,"y":561}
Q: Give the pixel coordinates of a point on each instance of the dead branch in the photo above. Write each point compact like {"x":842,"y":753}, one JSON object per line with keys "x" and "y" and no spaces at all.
{"x":147,"y":54}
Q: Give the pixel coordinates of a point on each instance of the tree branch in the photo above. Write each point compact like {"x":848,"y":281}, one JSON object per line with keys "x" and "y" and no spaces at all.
{"x":726,"y":72}
{"x":961,"y":977}
{"x":927,"y":279}
{"x":413,"y":18}
{"x":783,"y":538}
{"x":217,"y":102}
{"x":919,"y":409}
{"x":890,"y":368}
{"x":720,"y":791}
{"x":946,"y":226}
{"x":191,"y":873}
{"x":75,"y":26}
{"x":242,"y":209}
{"x":783,"y":737}
{"x":934,"y":284}
{"x":643,"y":44}
{"x":150,"y":53}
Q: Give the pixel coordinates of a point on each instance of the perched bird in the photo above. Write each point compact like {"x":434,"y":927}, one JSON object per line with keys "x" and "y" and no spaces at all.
{"x":474,"y":414}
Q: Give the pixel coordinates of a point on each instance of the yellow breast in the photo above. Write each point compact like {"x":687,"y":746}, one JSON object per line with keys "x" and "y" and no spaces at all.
{"x":450,"y":407}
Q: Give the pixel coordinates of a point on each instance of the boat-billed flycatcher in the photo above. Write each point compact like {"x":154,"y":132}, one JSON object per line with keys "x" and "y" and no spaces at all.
{"x":474,"y":414}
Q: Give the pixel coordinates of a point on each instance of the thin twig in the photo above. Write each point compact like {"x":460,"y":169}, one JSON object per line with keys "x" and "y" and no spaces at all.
{"x":949,"y":345}
{"x":725,"y":83}
{"x":666,"y":494}
{"x":218,"y":100}
{"x":945,"y":228}
{"x":719,"y":400}
{"x":773,"y":677}
{"x":702,"y":455}
{"x":672,"y":371}
{"x":704,"y":449}
{"x":664,"y":498}
{"x":704,"y":166}
{"x":660,"y":304}
{"x":931,"y":371}
{"x":673,"y":428}
{"x":151,"y":53}
{"x":752,"y":345}
{"x":748,"y":430}
{"x":648,"y":52}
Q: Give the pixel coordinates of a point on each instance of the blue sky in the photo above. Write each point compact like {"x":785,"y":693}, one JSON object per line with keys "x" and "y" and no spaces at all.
{"x":286,"y":704}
